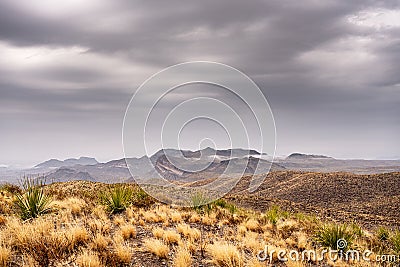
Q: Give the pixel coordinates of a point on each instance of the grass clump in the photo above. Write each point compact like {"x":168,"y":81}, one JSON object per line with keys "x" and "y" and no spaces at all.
{"x":157,"y":247}
{"x":117,"y":199}
{"x":329,"y":235}
{"x":34,"y":202}
{"x":225,"y":255}
{"x":182,"y":258}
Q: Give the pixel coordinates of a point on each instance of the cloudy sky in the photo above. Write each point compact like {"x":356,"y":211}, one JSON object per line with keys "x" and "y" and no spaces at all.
{"x":329,"y":69}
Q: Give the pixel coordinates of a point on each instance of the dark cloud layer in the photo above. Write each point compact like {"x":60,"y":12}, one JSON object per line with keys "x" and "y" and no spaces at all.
{"x":330,"y":69}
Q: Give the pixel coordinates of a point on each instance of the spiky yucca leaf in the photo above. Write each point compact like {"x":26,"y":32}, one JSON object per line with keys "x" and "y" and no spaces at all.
{"x":34,"y":202}
{"x":329,"y":235}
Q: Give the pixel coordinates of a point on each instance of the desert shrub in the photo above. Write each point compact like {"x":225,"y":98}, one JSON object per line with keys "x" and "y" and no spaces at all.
{"x":225,"y":205}
{"x":383,"y":233}
{"x":117,"y":199}
{"x":328,"y":235}
{"x":34,"y":202}
{"x":201,"y":203}
{"x":395,"y":240}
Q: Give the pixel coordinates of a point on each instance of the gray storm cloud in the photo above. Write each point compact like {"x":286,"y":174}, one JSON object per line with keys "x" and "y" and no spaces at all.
{"x":330,"y":70}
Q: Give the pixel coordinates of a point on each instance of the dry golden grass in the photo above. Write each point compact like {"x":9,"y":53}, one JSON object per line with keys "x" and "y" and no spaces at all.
{"x":88,"y":259}
{"x":252,"y":242}
{"x":81,"y":233}
{"x":128,"y":231}
{"x":171,"y":237}
{"x":182,"y":258}
{"x":100,"y":242}
{"x":40,"y":240}
{"x":195,"y":218}
{"x":301,"y":240}
{"x":73,"y":205}
{"x":5,"y":255}
{"x":255,"y":263}
{"x":78,"y":235}
{"x":99,"y":226}
{"x":123,"y":253}
{"x":151,"y":217}
{"x":157,"y":247}
{"x":158,"y":232}
{"x":252,"y":225}
{"x":188,"y":232}
{"x":225,"y":255}
{"x":176,"y":217}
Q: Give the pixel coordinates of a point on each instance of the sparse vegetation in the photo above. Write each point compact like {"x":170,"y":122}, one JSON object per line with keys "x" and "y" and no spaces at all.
{"x":80,"y":232}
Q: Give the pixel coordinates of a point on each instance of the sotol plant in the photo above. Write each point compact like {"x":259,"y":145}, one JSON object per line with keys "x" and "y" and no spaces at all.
{"x":328,"y":235}
{"x":34,"y":201}
{"x":117,"y":199}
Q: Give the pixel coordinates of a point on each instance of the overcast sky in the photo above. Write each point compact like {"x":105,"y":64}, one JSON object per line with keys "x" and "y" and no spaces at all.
{"x":329,"y":69}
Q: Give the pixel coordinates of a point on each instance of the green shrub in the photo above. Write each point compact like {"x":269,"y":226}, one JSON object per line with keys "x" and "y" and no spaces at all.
{"x":34,"y":202}
{"x":201,"y":203}
{"x":220,"y":203}
{"x":273,"y":214}
{"x":383,"y":233}
{"x":225,"y":205}
{"x":328,"y":235}
{"x":356,"y":229}
{"x":117,"y":199}
{"x":395,"y":240}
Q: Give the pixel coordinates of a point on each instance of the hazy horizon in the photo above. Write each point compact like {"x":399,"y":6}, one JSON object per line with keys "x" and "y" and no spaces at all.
{"x":329,"y":70}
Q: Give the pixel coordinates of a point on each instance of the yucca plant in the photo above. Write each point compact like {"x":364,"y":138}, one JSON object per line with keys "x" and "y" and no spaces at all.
{"x":329,"y":235}
{"x":34,"y":202}
{"x":117,"y":199}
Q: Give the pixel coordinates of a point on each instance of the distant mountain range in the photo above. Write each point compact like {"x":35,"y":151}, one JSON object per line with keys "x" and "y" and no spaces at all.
{"x":55,"y":163}
{"x":192,"y":166}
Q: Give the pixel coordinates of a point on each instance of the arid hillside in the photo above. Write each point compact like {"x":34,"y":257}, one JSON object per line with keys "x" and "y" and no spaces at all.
{"x":84,"y":223}
{"x":371,"y":199}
